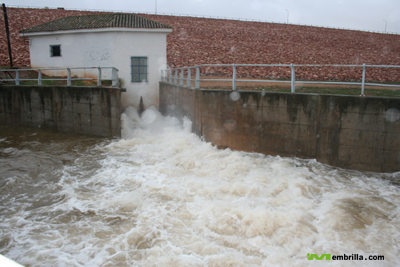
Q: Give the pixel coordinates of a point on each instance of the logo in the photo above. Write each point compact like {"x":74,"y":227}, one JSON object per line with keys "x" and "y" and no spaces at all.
{"x":345,"y":257}
{"x":310,"y":257}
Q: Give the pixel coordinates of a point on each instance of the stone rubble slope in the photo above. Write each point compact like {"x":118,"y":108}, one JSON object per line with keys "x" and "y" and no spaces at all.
{"x":196,"y":41}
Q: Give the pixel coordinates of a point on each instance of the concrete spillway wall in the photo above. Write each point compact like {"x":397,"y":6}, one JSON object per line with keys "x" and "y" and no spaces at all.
{"x":86,"y":110}
{"x":352,"y":132}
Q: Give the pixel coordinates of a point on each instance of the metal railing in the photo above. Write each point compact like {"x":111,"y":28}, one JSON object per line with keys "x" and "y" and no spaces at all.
{"x":114,"y":75}
{"x":171,"y":75}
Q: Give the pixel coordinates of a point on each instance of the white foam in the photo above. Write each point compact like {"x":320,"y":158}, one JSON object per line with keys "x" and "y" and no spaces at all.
{"x":163,"y":197}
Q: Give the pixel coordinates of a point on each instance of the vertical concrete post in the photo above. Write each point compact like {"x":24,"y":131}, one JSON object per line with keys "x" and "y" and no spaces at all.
{"x":234,"y":77}
{"x":170,"y":76}
{"x":16,"y":77}
{"x":363,"y":81}
{"x":69,"y":77}
{"x":176,"y":76}
{"x":197,"y":82}
{"x":39,"y":77}
{"x":189,"y":78}
{"x":293,"y":78}
{"x":99,"y":76}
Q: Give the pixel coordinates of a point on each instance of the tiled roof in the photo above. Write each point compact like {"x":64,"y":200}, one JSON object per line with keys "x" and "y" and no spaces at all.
{"x":115,"y":20}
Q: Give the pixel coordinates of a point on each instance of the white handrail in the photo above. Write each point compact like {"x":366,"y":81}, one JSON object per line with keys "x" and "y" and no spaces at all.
{"x":167,"y":75}
{"x":69,"y":79}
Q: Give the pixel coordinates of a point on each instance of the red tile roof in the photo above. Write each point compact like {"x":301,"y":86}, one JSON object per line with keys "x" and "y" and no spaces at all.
{"x":116,"y":20}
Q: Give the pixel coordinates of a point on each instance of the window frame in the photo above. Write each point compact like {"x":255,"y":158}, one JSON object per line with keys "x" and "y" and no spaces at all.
{"x":52,"y":50}
{"x":142,"y":69}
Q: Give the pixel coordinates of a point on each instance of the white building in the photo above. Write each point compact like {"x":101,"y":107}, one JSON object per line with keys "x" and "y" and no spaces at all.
{"x":136,"y":46}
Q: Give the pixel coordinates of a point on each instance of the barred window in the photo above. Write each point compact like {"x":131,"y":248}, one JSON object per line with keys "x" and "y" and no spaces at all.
{"x":55,"y":50}
{"x":139,"y":69}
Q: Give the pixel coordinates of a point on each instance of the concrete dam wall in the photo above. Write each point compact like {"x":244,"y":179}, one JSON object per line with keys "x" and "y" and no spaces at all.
{"x":351,"y":132}
{"x":85,"y":110}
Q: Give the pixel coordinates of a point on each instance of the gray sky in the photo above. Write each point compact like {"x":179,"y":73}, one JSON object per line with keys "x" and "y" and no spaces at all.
{"x":349,"y":14}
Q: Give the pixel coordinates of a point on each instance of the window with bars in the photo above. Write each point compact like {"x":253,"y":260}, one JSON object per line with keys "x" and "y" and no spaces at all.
{"x":55,"y":50}
{"x":139,"y":69}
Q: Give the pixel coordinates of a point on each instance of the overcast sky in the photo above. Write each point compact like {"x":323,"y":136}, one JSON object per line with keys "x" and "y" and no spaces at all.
{"x":350,"y":14}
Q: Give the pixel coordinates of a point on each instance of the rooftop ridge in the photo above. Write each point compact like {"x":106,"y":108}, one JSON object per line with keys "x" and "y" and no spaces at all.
{"x":96,"y":21}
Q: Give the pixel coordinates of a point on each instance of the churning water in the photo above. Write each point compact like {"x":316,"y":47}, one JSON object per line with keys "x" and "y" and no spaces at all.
{"x":163,"y":197}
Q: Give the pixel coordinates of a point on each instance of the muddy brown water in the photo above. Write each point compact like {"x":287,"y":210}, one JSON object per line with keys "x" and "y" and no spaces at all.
{"x":161,"y":196}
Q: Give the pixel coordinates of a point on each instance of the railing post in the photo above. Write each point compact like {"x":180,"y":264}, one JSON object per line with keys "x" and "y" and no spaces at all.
{"x":363,"y":81}
{"x":197,"y":82}
{"x":164,"y":75}
{"x":39,"y":82}
{"x":99,"y":76}
{"x":170,"y":75}
{"x":234,"y":77}
{"x":189,"y":78}
{"x":181,"y":79}
{"x":115,"y":79}
{"x":69,"y":77}
{"x":293,"y":78}
{"x":176,"y":76}
{"x":16,"y":77}
{"x":168,"y":78}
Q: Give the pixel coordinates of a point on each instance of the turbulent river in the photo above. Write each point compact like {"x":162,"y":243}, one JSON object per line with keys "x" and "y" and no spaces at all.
{"x":161,"y":196}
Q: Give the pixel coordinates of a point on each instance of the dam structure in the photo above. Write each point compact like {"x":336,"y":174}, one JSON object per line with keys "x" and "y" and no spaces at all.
{"x":226,"y":178}
{"x":353,"y":132}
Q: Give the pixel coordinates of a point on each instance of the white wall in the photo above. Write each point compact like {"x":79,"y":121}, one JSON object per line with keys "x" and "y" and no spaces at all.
{"x":107,"y":49}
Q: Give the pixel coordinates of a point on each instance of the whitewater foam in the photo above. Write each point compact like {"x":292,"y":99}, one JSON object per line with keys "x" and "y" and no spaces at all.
{"x":162,"y":196}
